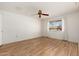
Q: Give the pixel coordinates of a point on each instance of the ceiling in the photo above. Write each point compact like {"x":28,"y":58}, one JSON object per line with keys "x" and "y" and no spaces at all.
{"x":31,"y":8}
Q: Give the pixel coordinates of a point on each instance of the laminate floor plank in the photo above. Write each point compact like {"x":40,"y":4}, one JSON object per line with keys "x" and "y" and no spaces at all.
{"x":41,"y":46}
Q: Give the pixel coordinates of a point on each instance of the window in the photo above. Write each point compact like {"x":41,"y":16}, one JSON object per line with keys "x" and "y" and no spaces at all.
{"x":56,"y":25}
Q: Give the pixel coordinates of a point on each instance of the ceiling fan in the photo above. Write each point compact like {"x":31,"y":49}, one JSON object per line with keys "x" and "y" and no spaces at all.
{"x":40,"y":13}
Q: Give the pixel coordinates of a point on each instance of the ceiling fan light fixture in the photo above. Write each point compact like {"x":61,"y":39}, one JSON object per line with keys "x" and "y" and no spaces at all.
{"x":40,"y":13}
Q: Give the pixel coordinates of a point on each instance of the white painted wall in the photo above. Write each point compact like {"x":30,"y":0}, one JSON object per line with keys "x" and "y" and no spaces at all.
{"x":72,"y":25}
{"x":19,"y":27}
{"x":44,"y":27}
{"x":0,"y":29}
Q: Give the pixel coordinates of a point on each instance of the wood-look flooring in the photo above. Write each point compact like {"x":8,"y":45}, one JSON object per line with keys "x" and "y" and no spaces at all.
{"x":40,"y":47}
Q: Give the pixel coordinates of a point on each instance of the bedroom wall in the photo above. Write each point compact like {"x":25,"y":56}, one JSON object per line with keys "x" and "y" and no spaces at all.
{"x":18,"y":27}
{"x":0,"y":29}
{"x":72,"y":27}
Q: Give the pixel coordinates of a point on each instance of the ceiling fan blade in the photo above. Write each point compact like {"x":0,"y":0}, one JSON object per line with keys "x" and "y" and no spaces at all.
{"x":46,"y":14}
